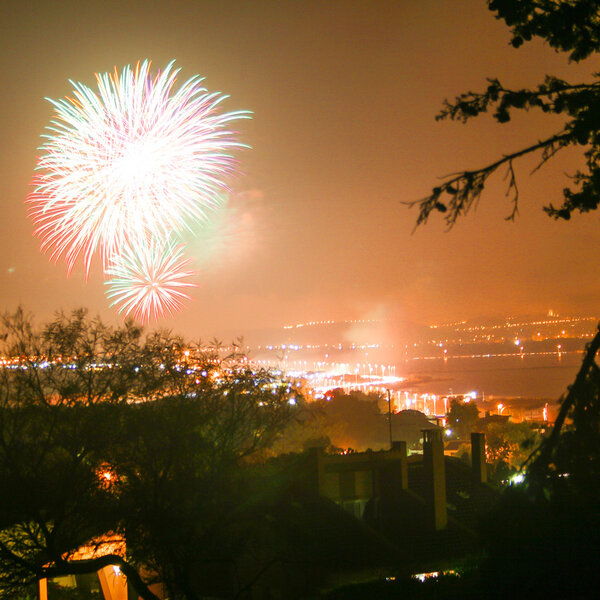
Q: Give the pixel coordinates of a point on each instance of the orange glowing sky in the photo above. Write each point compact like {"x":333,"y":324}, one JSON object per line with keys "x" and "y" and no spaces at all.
{"x":344,"y":96}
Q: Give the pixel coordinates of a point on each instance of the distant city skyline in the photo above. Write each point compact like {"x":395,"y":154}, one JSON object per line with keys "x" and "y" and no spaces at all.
{"x":521,"y":356}
{"x":343,"y":133}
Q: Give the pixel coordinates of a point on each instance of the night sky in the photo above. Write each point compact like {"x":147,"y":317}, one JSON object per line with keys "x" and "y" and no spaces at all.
{"x":344,"y":96}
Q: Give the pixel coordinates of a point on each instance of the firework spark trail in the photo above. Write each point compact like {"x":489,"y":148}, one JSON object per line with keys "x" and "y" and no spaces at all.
{"x":148,"y":280}
{"x":135,"y":161}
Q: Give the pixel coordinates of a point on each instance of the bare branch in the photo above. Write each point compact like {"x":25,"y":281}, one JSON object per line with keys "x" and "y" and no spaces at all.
{"x":512,"y":185}
{"x":81,"y":567}
{"x":464,"y":189}
{"x":541,"y":457}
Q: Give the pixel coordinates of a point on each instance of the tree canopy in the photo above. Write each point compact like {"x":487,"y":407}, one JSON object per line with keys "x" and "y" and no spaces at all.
{"x":462,"y":417}
{"x":109,"y":433}
{"x":571,"y":26}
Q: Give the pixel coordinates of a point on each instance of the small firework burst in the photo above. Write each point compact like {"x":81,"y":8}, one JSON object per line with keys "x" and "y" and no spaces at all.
{"x":149,"y":280}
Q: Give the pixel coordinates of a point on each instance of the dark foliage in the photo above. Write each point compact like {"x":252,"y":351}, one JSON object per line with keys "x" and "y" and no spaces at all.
{"x":462,"y":417}
{"x":106,"y":433}
{"x":356,"y":419}
{"x":543,"y":538}
{"x":542,"y":548}
{"x":568,"y":26}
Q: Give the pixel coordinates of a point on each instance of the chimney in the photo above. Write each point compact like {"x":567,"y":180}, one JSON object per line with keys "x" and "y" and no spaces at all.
{"x":478,"y":463}
{"x":399,"y":451}
{"x":435,"y":473}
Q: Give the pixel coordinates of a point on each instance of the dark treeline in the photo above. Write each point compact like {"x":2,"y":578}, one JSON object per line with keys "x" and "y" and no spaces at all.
{"x":106,"y":433}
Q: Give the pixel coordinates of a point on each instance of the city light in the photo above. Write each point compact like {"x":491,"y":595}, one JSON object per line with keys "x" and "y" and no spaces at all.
{"x":517,"y":479}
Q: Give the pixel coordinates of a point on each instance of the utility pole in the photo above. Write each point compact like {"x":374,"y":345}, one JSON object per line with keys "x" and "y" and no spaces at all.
{"x":389,"y":393}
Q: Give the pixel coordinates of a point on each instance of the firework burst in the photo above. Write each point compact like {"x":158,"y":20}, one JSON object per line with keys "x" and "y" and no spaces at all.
{"x":149,"y":280}
{"x":135,"y":160}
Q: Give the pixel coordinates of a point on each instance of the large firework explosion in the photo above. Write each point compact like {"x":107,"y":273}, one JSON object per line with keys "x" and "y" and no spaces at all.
{"x":124,"y":171}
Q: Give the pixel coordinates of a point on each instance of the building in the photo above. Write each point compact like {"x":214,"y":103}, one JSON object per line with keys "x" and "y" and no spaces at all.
{"x":324,"y":520}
